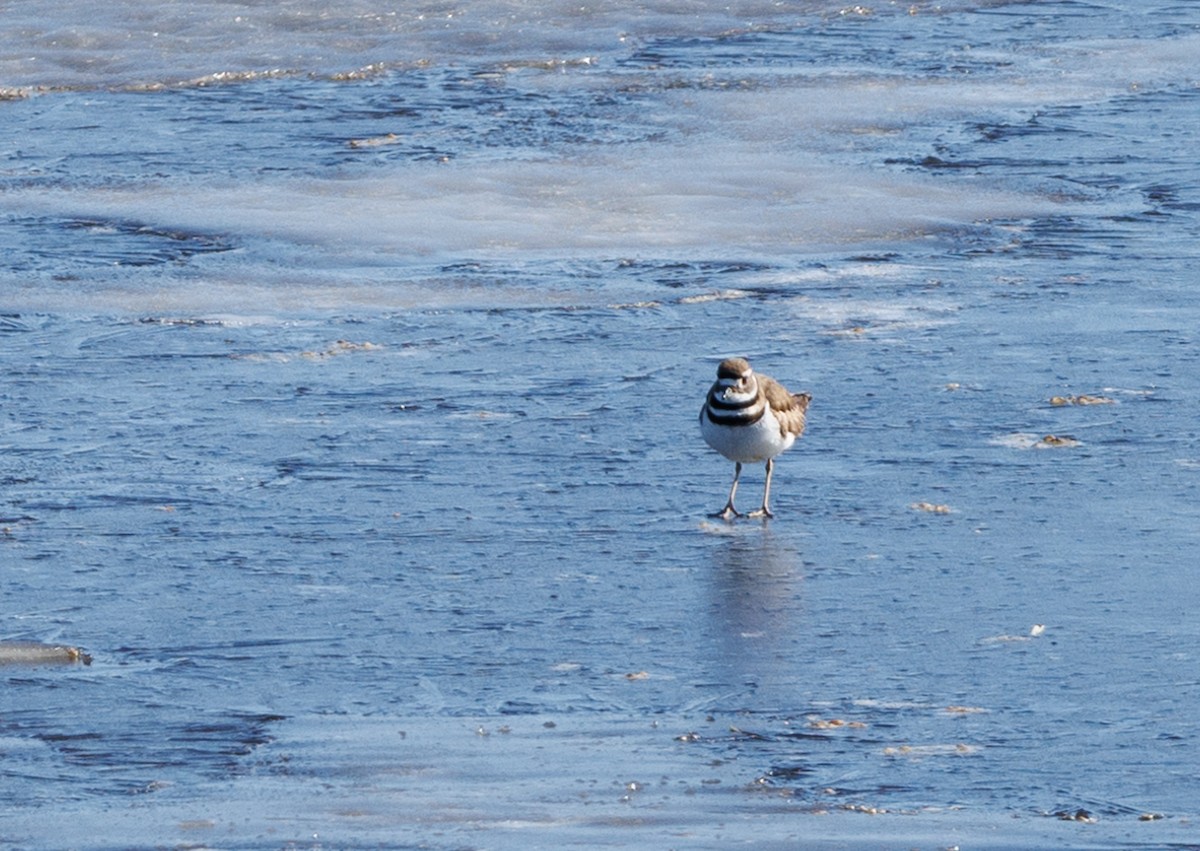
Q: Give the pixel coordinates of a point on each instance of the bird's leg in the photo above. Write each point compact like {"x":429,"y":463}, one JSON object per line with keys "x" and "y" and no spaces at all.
{"x":765,"y":511}
{"x":729,"y":511}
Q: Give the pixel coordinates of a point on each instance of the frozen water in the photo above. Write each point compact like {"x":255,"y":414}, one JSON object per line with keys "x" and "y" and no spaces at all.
{"x":351,"y":367}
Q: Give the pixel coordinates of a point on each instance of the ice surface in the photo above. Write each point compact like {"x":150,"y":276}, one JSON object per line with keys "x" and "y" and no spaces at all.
{"x":351,"y":364}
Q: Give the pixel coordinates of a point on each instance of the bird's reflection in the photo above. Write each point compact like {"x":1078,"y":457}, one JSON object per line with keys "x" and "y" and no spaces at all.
{"x":754,"y":605}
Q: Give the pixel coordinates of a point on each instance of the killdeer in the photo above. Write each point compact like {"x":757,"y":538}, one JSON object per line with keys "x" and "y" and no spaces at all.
{"x":750,"y":417}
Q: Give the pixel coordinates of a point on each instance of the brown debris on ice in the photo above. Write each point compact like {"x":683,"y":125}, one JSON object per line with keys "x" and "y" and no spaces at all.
{"x":1058,"y":440}
{"x":1023,"y":440}
{"x":1083,"y":399}
{"x":374,"y":141}
{"x":34,"y":653}
{"x":341,"y":347}
{"x":834,"y":724}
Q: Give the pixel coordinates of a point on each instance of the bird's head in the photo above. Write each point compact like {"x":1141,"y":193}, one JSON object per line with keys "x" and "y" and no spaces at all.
{"x":736,"y":378}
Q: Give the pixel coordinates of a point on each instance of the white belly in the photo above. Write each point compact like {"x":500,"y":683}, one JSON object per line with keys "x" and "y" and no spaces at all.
{"x":749,"y":443}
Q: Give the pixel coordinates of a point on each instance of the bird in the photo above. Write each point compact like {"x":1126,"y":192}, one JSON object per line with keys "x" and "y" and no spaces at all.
{"x":749,"y":417}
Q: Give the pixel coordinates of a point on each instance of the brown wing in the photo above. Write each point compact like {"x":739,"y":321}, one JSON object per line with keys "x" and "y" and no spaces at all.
{"x":789,"y":408}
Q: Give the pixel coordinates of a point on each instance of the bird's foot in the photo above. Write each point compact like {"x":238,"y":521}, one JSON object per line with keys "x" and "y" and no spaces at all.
{"x":727,"y":513}
{"x":764,"y":513}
